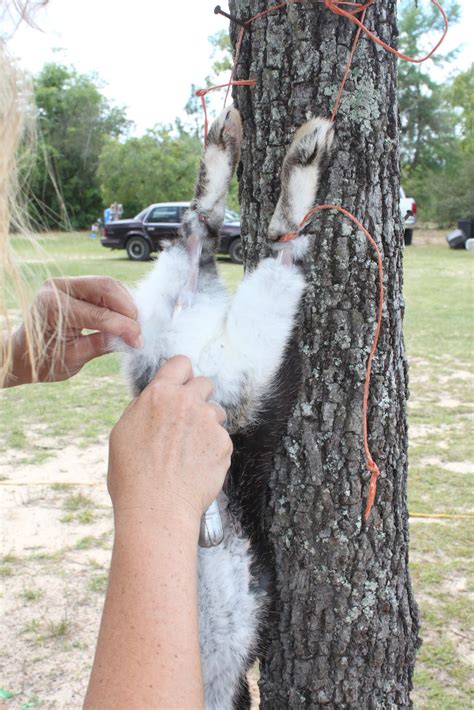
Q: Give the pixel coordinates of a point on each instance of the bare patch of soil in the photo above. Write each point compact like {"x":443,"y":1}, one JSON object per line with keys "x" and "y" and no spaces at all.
{"x":427,"y":234}
{"x":56,"y":540}
{"x":463,"y":467}
{"x":56,"y":550}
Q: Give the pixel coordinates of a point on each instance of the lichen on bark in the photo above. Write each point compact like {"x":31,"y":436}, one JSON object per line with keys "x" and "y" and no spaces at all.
{"x":346,"y":628}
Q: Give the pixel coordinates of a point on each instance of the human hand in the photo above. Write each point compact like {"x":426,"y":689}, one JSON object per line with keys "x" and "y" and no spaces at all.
{"x":64,"y":307}
{"x":169,"y":451}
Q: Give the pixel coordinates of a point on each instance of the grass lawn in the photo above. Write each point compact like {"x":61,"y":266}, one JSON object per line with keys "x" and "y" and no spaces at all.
{"x":37,"y":422}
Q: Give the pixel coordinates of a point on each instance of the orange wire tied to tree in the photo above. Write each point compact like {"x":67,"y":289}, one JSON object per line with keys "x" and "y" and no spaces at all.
{"x":335,"y":6}
{"x":203,"y":92}
{"x":371,"y":465}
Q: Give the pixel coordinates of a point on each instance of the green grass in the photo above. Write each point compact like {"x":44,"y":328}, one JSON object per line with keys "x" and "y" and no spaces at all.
{"x":90,"y":541}
{"x":77,"y":502}
{"x":98,"y":583}
{"x":61,"y":487}
{"x":47,"y":556}
{"x":40,"y":631}
{"x":439,"y":300}
{"x":9,"y":558}
{"x":32,"y":595}
{"x":439,"y":343}
{"x":57,"y":629}
{"x":32,"y":627}
{"x":68,"y":411}
{"x":79,"y":508}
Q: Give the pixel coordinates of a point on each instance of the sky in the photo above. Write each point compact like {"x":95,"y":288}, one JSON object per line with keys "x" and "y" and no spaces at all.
{"x":148,"y":53}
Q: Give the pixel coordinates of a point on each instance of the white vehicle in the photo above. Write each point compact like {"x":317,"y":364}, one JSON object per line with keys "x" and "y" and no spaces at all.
{"x":408,"y":212}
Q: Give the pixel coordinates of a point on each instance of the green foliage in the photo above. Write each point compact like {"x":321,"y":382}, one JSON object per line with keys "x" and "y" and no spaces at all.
{"x":84,"y":162}
{"x":452,"y":189}
{"x":159,"y":167}
{"x":436,"y":120}
{"x":75,"y":121}
{"x":221,"y":54}
{"x":461,"y":96}
{"x":195,"y":112}
{"x":443,"y":185}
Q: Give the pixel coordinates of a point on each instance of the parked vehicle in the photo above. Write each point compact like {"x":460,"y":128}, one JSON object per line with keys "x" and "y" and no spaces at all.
{"x":145,"y":233}
{"x":408,"y":212}
{"x":463,"y":236}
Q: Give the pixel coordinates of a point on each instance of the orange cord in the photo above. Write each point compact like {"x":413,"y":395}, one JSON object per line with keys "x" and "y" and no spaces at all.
{"x":202,"y":94}
{"x":335,"y":7}
{"x":371,"y":465}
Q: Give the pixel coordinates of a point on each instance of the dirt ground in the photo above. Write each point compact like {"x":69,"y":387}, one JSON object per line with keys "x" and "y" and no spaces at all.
{"x":429,"y":234}
{"x":53,"y":575}
{"x":56,"y":536}
{"x":55,"y":539}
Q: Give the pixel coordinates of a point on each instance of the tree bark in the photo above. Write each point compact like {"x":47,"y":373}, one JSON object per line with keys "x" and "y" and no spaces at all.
{"x":346,"y":629}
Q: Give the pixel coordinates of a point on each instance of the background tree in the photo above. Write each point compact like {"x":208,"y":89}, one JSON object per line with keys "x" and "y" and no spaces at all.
{"x":159,"y":167}
{"x":346,"y":628}
{"x":436,"y":169}
{"x":451,"y":186}
{"x":75,"y":121}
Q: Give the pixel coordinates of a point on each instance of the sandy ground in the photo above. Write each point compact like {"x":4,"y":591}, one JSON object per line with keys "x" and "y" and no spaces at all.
{"x":430,"y":234}
{"x":56,"y":535}
{"x":53,"y":576}
{"x":50,"y":613}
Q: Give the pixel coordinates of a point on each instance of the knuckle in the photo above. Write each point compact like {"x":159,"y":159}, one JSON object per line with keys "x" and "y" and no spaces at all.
{"x":107,"y":283}
{"x":221,"y":413}
{"x":182,"y":361}
{"x":47,"y":299}
{"x":108,"y":287}
{"x":225,"y":440}
{"x":102,"y":314}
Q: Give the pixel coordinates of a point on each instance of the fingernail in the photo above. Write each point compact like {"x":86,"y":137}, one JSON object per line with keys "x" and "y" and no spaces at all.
{"x":138,"y":341}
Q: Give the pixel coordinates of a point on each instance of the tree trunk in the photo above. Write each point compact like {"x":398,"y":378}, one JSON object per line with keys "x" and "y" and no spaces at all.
{"x":346,"y":628}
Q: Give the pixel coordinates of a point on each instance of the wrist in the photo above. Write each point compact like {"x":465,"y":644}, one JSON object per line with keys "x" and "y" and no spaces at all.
{"x":178,"y":522}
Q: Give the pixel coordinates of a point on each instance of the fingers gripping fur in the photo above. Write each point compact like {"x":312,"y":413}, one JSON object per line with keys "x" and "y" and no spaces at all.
{"x":220,"y":157}
{"x":300,"y":176}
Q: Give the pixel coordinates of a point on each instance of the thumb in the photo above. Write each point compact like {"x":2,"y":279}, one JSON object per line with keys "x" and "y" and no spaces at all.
{"x":178,"y":370}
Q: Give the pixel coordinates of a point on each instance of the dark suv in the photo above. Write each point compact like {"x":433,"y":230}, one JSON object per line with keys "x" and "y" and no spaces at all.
{"x":142,"y":235}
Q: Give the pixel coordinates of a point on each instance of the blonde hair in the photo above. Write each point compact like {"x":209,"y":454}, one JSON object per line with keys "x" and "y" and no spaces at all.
{"x":17,"y":121}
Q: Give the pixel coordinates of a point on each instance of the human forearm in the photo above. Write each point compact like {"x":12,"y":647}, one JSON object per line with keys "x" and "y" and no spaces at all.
{"x":168,"y":457}
{"x":148,"y":650}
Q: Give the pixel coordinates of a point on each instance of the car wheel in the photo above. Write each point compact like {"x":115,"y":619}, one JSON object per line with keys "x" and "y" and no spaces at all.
{"x":408,"y":236}
{"x":138,"y":249}
{"x":236,"y":252}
